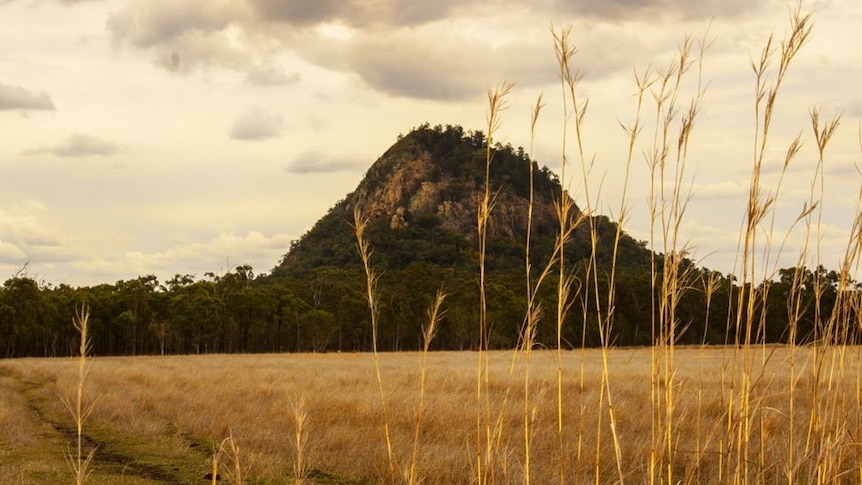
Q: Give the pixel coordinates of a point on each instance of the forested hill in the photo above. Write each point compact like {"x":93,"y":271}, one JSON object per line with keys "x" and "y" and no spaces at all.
{"x":421,"y":198}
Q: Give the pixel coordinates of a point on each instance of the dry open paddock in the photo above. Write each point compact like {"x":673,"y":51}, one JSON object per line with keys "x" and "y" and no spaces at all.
{"x":786,"y":419}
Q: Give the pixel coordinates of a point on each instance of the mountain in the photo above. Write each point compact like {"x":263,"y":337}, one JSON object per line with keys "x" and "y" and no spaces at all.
{"x":421,"y":198}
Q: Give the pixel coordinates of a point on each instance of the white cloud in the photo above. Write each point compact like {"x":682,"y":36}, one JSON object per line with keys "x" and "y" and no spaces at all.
{"x":182,"y":35}
{"x":24,"y":228}
{"x":256,"y":124}
{"x":81,"y":145}
{"x":269,"y":75}
{"x":316,"y":162}
{"x":25,"y":236}
{"x":354,"y":12}
{"x":644,"y":10}
{"x":18,"y":98}
{"x":146,"y":23}
{"x":221,"y":253}
{"x":88,"y":262}
{"x":398,"y":48}
{"x":11,"y":253}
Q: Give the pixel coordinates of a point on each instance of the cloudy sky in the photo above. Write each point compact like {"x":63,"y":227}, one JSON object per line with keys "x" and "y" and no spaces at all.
{"x":187,"y":136}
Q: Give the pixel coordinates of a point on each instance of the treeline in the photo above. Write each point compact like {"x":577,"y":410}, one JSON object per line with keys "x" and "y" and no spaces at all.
{"x":326,"y":311}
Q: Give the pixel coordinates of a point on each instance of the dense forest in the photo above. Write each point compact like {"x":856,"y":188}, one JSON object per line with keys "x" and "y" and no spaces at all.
{"x":238,"y":312}
{"x":314,"y":299}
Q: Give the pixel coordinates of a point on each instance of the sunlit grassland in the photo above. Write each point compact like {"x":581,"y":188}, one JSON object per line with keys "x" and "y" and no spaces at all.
{"x":667,"y":414}
{"x":190,"y":403}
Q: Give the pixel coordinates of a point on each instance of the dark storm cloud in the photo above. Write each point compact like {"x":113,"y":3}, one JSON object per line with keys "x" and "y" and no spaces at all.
{"x":18,"y":98}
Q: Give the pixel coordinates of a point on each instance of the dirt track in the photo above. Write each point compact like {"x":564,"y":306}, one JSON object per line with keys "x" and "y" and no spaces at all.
{"x":34,"y":444}
{"x":37,"y":435}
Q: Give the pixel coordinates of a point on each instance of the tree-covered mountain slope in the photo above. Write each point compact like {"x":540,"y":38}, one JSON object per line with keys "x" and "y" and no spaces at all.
{"x":421,"y":198}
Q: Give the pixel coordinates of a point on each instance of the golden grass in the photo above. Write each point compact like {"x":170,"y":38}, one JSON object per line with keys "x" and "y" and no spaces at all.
{"x":206,"y":398}
{"x":750,"y":413}
{"x":371,"y":278}
{"x":78,"y":459}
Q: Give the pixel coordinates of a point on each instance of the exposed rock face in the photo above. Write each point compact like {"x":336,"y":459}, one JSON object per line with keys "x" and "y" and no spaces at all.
{"x":390,"y":186}
{"x":391,"y":183}
{"x":398,"y":221}
{"x":407,"y":186}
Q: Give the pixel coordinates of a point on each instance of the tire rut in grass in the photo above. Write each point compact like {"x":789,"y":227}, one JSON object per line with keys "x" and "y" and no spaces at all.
{"x":107,"y":458}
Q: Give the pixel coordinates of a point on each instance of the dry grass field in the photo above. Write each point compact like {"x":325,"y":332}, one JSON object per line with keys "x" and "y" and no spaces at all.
{"x":159,"y":419}
{"x":746,"y":414}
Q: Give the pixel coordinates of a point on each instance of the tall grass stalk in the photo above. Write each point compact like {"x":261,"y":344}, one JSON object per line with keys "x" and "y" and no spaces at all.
{"x":711,"y":283}
{"x":564,"y":51}
{"x":605,"y":320}
{"x":672,"y":274}
{"x":235,"y":471}
{"x":590,"y":286}
{"x":535,"y":111}
{"x":486,"y":433}
{"x":300,"y":440}
{"x":528,"y":340}
{"x":79,"y":461}
{"x":795,"y":306}
{"x":360,"y":222}
{"x":429,"y":331}
{"x":215,"y":462}
{"x":831,"y":337}
{"x":743,"y":404}
{"x":228,"y":449}
{"x":533,"y":313}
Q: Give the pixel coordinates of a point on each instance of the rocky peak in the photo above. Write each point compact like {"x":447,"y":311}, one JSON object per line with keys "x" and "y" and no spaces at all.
{"x":421,"y":198}
{"x":412,"y":183}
